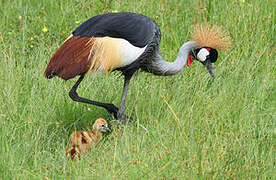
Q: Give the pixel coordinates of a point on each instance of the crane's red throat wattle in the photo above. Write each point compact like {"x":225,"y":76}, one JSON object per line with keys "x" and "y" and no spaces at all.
{"x":189,"y":60}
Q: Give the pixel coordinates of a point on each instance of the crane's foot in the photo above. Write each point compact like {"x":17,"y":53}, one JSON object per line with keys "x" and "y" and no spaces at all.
{"x":113,"y":111}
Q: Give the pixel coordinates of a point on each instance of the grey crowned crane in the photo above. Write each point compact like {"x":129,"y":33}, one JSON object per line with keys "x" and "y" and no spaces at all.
{"x":127,"y":42}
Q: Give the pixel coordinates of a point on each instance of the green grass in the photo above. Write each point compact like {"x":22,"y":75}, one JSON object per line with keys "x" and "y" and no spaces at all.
{"x":187,"y":126}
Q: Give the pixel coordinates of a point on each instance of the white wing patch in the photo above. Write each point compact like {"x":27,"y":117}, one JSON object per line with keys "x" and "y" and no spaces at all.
{"x":109,"y":53}
{"x":129,"y":52}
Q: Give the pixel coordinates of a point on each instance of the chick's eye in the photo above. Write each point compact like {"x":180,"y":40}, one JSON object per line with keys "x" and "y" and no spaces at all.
{"x":102,"y":125}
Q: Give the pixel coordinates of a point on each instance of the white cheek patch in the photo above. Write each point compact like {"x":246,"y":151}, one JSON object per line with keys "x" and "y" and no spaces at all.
{"x":202,"y":54}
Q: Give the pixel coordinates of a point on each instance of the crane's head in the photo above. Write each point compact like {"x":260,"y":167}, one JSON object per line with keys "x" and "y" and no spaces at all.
{"x":207,"y":56}
{"x":101,"y":125}
{"x":209,"y":38}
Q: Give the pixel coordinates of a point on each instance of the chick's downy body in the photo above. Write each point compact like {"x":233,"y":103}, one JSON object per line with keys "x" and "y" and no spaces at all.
{"x":82,"y":141}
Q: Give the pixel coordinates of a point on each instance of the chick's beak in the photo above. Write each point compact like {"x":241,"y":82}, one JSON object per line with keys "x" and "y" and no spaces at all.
{"x":107,"y":129}
{"x":208,"y":65}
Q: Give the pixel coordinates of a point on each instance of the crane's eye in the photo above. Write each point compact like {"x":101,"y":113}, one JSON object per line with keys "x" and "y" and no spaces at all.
{"x":202,"y":54}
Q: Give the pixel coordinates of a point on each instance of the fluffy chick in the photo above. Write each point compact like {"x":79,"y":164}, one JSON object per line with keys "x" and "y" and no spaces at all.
{"x":82,"y":142}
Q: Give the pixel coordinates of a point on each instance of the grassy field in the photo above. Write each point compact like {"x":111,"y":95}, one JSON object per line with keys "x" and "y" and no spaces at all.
{"x":187,"y":126}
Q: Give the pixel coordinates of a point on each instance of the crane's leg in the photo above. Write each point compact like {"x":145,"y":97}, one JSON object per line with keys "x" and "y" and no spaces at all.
{"x":120,"y":114}
{"x":111,"y":108}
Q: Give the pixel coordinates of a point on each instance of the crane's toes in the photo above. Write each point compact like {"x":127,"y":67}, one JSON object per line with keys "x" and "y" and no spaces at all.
{"x":114,"y":111}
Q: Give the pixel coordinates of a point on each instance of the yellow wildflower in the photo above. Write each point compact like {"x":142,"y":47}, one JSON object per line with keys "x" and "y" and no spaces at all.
{"x":19,"y":18}
{"x":45,"y":30}
{"x":31,"y":46}
{"x":77,"y":22}
{"x":114,"y":11}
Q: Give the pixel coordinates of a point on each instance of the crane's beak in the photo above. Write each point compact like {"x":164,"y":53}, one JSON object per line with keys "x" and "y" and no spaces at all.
{"x":208,"y":65}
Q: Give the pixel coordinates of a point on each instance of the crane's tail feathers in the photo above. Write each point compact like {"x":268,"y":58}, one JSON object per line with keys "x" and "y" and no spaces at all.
{"x":211,"y":36}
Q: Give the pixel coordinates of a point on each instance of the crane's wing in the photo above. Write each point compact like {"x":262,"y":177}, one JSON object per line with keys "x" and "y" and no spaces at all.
{"x":106,"y":42}
{"x":135,"y":28}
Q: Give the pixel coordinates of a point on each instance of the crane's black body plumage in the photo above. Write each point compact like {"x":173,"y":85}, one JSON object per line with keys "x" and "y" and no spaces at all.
{"x":135,"y":28}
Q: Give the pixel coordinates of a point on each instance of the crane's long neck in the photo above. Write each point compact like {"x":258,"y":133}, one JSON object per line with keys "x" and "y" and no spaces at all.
{"x":165,"y":68}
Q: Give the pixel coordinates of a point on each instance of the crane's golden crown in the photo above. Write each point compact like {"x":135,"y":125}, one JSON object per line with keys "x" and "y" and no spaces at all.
{"x":211,"y":36}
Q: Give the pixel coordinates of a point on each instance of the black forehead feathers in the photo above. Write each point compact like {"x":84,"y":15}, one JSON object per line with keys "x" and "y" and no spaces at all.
{"x":213,"y":55}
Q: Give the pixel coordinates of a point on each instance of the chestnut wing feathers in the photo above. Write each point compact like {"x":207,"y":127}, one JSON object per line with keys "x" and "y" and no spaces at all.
{"x":71,"y":59}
